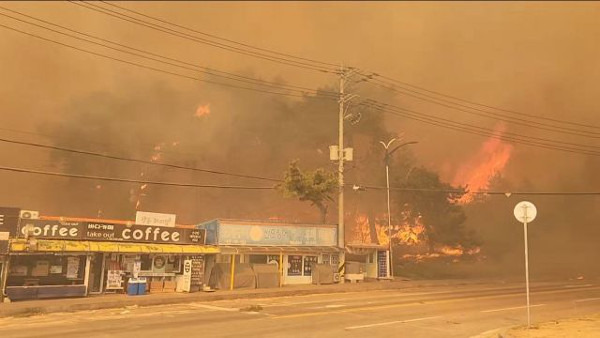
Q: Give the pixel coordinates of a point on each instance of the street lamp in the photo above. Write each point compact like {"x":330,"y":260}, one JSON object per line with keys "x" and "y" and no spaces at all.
{"x":388,"y":155}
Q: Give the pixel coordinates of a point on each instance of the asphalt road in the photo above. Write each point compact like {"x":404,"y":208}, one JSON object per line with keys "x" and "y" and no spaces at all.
{"x":458,"y":311}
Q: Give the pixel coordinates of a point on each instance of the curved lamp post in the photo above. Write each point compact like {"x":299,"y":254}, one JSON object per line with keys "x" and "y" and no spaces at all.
{"x":388,"y":155}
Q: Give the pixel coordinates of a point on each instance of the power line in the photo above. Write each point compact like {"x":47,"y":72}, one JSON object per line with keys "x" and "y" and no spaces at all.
{"x":484,"y":113}
{"x":506,"y":133}
{"x":486,"y":130}
{"x":220,"y":38}
{"x":575,"y":131}
{"x":497,"y":136}
{"x":127,"y":159}
{"x":127,"y":180}
{"x":186,"y":36}
{"x":449,"y":124}
{"x":157,"y":69}
{"x":586,"y":125}
{"x":487,"y":192}
{"x":186,"y":65}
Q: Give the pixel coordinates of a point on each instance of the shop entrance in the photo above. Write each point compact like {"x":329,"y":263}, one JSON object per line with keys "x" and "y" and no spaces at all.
{"x":96,"y":273}
{"x":382,"y":264}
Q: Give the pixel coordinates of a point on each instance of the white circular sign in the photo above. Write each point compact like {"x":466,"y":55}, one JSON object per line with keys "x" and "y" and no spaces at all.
{"x":525,"y":212}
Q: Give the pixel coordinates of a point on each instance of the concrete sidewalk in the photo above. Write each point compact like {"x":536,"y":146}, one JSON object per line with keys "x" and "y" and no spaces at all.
{"x":35,"y":307}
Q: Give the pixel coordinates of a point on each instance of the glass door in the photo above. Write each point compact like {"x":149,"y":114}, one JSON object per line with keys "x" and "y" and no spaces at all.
{"x":96,"y":273}
{"x":382,"y":264}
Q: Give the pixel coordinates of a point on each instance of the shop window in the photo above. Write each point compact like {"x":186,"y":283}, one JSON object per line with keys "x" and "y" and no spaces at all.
{"x":173,"y":264}
{"x":46,"y":270}
{"x":335,"y":260}
{"x":325,"y":259}
{"x":308,"y":263}
{"x":146,"y":263}
{"x":258,"y":259}
{"x":294,"y":265}
{"x":159,"y":263}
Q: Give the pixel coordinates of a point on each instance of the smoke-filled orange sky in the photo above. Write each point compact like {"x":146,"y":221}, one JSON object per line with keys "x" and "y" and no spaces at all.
{"x":541,"y":59}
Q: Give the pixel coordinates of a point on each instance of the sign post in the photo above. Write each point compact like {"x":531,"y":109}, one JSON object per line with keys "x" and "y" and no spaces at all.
{"x":525,"y":212}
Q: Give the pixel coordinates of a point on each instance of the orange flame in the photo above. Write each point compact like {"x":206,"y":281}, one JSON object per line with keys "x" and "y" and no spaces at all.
{"x":202,"y":110}
{"x":407,"y":233}
{"x":452,"y":251}
{"x":490,"y":160}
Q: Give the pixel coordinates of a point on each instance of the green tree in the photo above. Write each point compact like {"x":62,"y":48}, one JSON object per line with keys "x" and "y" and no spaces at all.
{"x":316,"y":186}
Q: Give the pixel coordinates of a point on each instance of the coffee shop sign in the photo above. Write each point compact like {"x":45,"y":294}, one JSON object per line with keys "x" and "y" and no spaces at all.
{"x":114,"y":232}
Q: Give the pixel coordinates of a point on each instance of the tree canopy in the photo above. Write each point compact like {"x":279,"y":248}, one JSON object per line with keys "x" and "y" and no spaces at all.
{"x":315,"y":186}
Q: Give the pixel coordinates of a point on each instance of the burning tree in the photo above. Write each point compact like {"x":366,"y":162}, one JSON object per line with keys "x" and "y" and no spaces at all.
{"x":436,"y":207}
{"x":316,"y":186}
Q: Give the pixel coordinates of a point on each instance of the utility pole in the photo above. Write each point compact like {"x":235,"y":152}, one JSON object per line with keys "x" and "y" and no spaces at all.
{"x":341,"y":232}
{"x":340,"y":154}
{"x":388,"y":155}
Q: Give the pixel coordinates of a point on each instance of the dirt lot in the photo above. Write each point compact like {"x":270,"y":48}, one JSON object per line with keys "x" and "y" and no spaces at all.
{"x":586,"y":327}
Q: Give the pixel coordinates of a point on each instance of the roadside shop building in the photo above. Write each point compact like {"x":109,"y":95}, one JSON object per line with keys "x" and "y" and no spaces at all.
{"x":69,"y":257}
{"x":295,"y":248}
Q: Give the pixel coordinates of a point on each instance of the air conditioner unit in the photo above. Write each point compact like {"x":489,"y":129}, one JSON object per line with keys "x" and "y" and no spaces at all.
{"x":29,"y":214}
{"x":336,"y":277}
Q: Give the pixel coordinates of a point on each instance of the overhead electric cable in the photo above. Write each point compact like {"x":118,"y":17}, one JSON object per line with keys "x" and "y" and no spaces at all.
{"x":128,"y":180}
{"x":186,"y":65}
{"x":372,"y":75}
{"x":158,"y":69}
{"x":128,"y":159}
{"x":484,"y":113}
{"x":220,"y":38}
{"x":449,"y":124}
{"x":486,"y":192}
{"x":197,"y":39}
{"x":586,"y":125}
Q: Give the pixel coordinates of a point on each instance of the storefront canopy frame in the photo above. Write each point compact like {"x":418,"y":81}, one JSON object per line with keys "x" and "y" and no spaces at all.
{"x":277,"y":249}
{"x":45,"y":246}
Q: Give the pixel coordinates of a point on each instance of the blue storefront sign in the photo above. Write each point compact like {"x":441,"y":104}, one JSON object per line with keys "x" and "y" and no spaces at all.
{"x":224,"y":232}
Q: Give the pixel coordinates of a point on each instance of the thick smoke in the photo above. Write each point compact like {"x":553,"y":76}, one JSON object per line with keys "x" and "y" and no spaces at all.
{"x":511,"y":55}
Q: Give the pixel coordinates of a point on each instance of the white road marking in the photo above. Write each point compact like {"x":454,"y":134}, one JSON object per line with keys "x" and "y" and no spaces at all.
{"x":578,"y":285}
{"x":330,"y":306}
{"x":212,"y":307}
{"x":511,"y":308}
{"x":586,"y":300}
{"x":390,"y":323}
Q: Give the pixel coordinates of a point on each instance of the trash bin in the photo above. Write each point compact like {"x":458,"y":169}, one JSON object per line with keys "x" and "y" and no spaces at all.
{"x":132,"y":287}
{"x":141,"y":282}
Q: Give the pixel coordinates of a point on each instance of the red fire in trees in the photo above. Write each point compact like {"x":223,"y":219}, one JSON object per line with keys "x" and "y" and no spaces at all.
{"x":477,"y":172}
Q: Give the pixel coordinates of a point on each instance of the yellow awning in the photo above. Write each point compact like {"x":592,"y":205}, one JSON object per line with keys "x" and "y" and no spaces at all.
{"x":45,"y":245}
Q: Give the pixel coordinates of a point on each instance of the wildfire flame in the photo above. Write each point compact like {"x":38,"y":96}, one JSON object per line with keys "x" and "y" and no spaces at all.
{"x":489,"y":161}
{"x":408,"y":232}
{"x":202,"y":110}
{"x":445,"y":251}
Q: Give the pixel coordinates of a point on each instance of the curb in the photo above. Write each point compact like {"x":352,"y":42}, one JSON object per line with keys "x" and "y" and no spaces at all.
{"x":20,"y":309}
{"x":494,"y":333}
{"x":23,"y":309}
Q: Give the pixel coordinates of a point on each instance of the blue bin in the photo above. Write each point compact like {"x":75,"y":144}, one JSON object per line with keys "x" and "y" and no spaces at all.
{"x":141,"y":286}
{"x":133,"y":287}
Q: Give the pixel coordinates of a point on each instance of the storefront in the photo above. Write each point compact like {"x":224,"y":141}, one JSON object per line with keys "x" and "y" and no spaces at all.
{"x":372,"y":260}
{"x":294,"y":248}
{"x":62,"y":258}
{"x":9,"y":219}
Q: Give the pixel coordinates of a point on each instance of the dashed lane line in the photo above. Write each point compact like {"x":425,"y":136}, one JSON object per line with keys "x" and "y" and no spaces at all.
{"x":511,"y":308}
{"x":391,"y":323}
